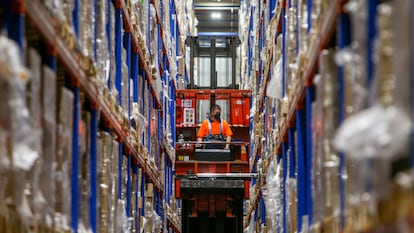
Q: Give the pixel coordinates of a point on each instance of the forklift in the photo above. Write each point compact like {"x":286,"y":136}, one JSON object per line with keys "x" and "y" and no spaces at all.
{"x":213,"y":184}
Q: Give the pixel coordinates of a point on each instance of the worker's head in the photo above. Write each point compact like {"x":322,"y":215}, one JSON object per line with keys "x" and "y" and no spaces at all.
{"x":215,"y":112}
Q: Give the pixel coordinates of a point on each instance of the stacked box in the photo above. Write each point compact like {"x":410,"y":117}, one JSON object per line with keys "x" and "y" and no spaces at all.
{"x":112,"y":70}
{"x":134,"y":203}
{"x":87,"y":27}
{"x":64,"y":159}
{"x":124,"y":83}
{"x":84,"y":171}
{"x":142,"y":13}
{"x":326,"y":161}
{"x":153,"y":28}
{"x":303,"y":26}
{"x":48,"y":159}
{"x":102,"y":44}
{"x":34,"y":64}
{"x":35,"y":110}
{"x":19,"y":147}
{"x":104,"y":175}
{"x":114,"y":182}
{"x":291,"y":68}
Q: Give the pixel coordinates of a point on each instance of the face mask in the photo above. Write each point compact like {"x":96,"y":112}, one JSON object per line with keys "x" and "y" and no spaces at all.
{"x":217,"y":116}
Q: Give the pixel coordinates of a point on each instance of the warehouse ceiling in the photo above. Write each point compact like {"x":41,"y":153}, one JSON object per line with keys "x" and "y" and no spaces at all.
{"x":217,"y":16}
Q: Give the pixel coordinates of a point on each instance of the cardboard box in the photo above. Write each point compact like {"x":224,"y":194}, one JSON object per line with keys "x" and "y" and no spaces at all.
{"x":64,"y":153}
{"x":34,"y":62}
{"x":48,"y":158}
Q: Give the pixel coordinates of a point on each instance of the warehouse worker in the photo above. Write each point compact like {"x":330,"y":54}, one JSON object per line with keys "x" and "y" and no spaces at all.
{"x":215,"y":129}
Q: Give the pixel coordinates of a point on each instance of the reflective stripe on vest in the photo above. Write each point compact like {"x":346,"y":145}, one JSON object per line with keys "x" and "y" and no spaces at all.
{"x":209,"y":127}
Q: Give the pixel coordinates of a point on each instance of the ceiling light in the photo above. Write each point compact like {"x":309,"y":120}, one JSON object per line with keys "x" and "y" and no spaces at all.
{"x":216,"y":15}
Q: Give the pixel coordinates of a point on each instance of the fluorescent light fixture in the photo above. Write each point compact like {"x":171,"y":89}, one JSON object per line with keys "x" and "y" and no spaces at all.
{"x":216,"y":15}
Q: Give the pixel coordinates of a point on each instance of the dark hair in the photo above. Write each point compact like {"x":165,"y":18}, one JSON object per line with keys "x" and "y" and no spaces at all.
{"x":214,"y":107}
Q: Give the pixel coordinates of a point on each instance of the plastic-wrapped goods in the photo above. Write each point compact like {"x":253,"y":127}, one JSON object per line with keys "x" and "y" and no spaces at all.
{"x":153,"y":49}
{"x":140,"y":121}
{"x":102,"y":53}
{"x":134,"y":203}
{"x":124,"y":177}
{"x":48,"y":158}
{"x":353,"y":59}
{"x":84,"y":173}
{"x":325,"y":162}
{"x":291,"y":42}
{"x":17,"y":143}
{"x":87,"y":27}
{"x":383,"y":129}
{"x":154,"y":139}
{"x":34,"y":63}
{"x":149,"y":214}
{"x":114,"y":163}
{"x":273,"y":197}
{"x":401,"y":56}
{"x":124,"y":83}
{"x":62,"y":10}
{"x":63,"y":160}
{"x":303,"y":26}
{"x":317,"y":164}
{"x":327,"y":93}
{"x":122,"y":219}
{"x":34,"y":193}
{"x":113,"y":92}
{"x":143,"y":14}
{"x":274,"y":87}
{"x":104,"y":188}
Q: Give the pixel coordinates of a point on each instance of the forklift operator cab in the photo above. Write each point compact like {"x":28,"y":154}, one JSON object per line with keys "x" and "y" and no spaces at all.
{"x":217,"y":133}
{"x":215,"y":129}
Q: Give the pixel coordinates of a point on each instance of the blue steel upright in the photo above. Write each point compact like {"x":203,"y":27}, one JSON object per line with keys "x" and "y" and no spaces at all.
{"x":302,"y":166}
{"x":128,"y":186}
{"x":93,"y":205}
{"x":118,"y":52}
{"x":344,"y":40}
{"x":310,"y":95}
{"x":285,"y":176}
{"x":75,"y":160}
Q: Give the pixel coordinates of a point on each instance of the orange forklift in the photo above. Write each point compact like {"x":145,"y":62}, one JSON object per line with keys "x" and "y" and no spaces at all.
{"x":212,"y":183}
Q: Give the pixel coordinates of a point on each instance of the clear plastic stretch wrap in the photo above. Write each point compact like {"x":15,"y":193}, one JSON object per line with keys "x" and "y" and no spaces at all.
{"x":325,"y":161}
{"x":153,"y":49}
{"x":114,"y":182}
{"x":87,"y":27}
{"x":32,"y":190}
{"x":376,"y":139}
{"x":122,"y":219}
{"x":134,"y":203}
{"x":273,"y":197}
{"x":124,"y":83}
{"x":104,"y":189}
{"x":48,"y":158}
{"x":64,"y":160}
{"x":353,"y":58}
{"x":84,"y":174}
{"x":112,"y":70}
{"x":274,"y":87}
{"x":18,"y":143}
{"x":102,"y":44}
{"x":143,"y":14}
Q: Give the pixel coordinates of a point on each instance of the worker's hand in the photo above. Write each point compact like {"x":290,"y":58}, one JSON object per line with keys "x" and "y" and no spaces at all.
{"x":227,"y":147}
{"x":197,"y":145}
